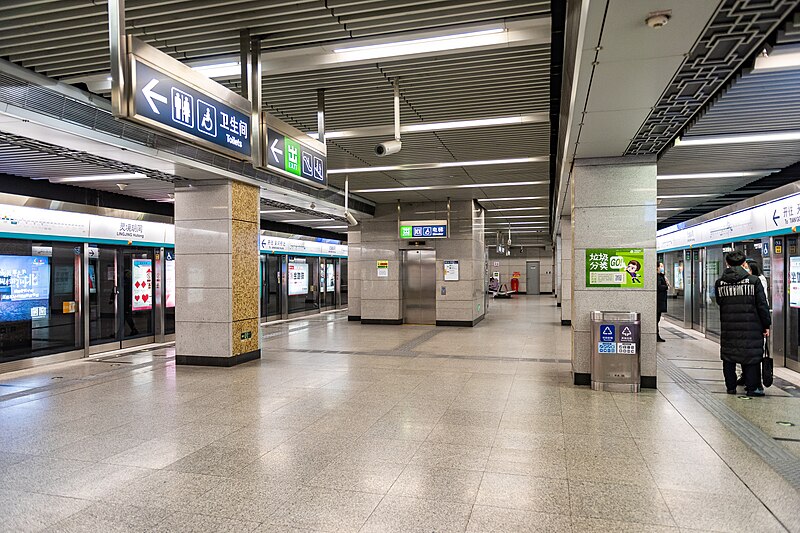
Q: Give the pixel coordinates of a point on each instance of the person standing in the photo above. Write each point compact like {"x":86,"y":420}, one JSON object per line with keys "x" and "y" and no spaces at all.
{"x":662,"y":286}
{"x":745,"y":320}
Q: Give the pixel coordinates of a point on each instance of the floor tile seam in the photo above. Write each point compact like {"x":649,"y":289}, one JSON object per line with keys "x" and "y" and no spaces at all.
{"x":699,"y":394}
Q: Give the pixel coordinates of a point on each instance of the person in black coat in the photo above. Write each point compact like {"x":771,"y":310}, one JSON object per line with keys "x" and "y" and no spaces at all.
{"x":662,"y":286}
{"x":744,"y":314}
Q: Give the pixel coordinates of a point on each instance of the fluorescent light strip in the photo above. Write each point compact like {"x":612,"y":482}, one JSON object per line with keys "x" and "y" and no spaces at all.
{"x":99,"y":177}
{"x":673,"y":196}
{"x":447,"y":164}
{"x":780,"y":58}
{"x":266,"y":212}
{"x":516,"y":209}
{"x":332,"y":227}
{"x":425,"y":45}
{"x":672,"y":208}
{"x":445,"y":187}
{"x":511,"y":198}
{"x":704,"y":140}
{"x":306,"y":220}
{"x":504,"y":224}
{"x":220,"y":70}
{"x":519,"y":216}
{"x":712,"y":175}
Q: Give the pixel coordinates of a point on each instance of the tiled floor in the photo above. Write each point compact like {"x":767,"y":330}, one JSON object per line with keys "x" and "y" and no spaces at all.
{"x":343,"y":427}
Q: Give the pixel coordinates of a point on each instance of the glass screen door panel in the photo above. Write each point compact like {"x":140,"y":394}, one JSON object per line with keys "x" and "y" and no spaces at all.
{"x":103,"y":289}
{"x":137,"y":293}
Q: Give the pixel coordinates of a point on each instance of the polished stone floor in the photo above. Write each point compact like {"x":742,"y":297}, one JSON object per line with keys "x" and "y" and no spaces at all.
{"x":344,"y":427}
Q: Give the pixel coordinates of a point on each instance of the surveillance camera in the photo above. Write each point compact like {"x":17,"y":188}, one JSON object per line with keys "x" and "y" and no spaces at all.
{"x":388,"y":148}
{"x":658,"y":19}
{"x":351,"y":220}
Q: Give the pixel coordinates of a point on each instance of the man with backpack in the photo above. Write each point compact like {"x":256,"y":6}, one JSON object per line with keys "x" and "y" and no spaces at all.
{"x":745,"y":318}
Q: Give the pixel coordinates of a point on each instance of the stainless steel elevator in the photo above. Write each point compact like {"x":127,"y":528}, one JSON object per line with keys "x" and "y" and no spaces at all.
{"x":419,"y":287}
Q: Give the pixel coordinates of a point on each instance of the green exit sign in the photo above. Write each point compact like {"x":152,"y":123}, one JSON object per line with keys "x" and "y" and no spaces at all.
{"x":405,"y":232}
{"x":246,"y":335}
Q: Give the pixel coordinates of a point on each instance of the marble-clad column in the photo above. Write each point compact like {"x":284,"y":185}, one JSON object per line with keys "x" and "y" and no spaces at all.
{"x":354,"y":275}
{"x":613,"y":206}
{"x":217,"y":273}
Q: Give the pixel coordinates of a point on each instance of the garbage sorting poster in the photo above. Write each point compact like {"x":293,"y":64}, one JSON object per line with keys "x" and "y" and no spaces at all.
{"x":142,"y":284}
{"x":621,"y":268}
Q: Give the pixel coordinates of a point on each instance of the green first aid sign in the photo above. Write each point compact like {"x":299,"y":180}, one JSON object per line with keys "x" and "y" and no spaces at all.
{"x":615,"y":267}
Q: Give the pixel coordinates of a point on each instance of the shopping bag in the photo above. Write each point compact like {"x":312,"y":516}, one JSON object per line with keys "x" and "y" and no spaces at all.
{"x":766,"y":366}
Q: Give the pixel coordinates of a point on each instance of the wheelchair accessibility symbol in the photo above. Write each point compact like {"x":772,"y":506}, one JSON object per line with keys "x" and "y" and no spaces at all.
{"x":207,"y":118}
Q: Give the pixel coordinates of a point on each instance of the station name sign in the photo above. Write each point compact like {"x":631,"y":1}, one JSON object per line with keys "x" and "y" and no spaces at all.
{"x":166,"y":94}
{"x":426,"y":229}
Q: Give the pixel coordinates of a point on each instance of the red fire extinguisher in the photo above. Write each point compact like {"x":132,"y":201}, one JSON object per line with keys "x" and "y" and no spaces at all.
{"x":514,"y":285}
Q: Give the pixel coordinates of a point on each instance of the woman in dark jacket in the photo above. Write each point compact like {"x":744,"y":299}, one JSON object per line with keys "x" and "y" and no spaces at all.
{"x":661,"y":289}
{"x":745,"y":320}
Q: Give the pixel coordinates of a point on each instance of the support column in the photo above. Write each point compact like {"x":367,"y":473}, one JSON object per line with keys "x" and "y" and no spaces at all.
{"x":565,"y":295}
{"x":354,"y":275}
{"x":217,"y":274}
{"x":613,"y":206}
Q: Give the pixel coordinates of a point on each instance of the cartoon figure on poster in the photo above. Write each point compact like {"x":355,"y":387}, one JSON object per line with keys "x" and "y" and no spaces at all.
{"x":633,"y":269}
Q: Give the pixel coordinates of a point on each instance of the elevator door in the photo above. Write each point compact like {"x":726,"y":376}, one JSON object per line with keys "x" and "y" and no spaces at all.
{"x":419,"y":287}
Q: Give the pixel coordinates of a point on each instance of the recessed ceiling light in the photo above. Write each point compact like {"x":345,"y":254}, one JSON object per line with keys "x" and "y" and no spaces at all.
{"x":99,"y":177}
{"x":454,"y":41}
{"x":711,"y":175}
{"x":516,"y":209}
{"x":446,"y":187}
{"x":703,"y":140}
{"x":671,"y":196}
{"x":519,"y":216}
{"x":511,"y":198}
{"x":446,"y":164}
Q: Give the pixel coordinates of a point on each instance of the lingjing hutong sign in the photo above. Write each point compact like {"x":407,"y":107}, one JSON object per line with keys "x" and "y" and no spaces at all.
{"x":621,"y":268}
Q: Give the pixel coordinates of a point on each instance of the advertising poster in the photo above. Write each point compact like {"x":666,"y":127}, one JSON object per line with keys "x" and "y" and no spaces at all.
{"x":24,"y":287}
{"x":678,"y":273}
{"x":92,"y":279}
{"x":794,"y":281}
{"x":451,"y":270}
{"x":331,"y":278}
{"x":621,"y":268}
{"x":169,"y":277}
{"x":142,"y":284}
{"x":298,"y":279}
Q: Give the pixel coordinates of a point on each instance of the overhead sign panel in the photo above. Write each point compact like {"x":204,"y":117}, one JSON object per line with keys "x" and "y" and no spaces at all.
{"x":423,"y":229}
{"x":293,"y":154}
{"x":166,"y":94}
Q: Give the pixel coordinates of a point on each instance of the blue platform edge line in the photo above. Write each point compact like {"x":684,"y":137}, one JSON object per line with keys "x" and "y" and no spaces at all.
{"x":773,"y":233}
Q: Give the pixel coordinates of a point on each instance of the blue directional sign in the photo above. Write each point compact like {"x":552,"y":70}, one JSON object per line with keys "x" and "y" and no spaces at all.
{"x":291,"y":156}
{"x":607,"y":333}
{"x":162,"y":100}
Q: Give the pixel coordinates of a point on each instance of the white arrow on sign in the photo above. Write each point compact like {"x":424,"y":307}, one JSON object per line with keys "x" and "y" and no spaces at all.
{"x":149,"y":95}
{"x":275,"y":150}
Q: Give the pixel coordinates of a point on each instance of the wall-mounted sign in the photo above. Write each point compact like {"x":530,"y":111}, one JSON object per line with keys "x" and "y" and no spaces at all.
{"x":778,"y":246}
{"x":142,"y":285}
{"x":293,"y":154}
{"x":451,"y":270}
{"x":383,"y":269}
{"x":171,"y":97}
{"x":496,"y":275}
{"x":794,"y":281}
{"x":169,"y":277}
{"x":432,"y":229}
{"x":330,"y":277}
{"x":621,"y":267}
{"x":298,"y":278}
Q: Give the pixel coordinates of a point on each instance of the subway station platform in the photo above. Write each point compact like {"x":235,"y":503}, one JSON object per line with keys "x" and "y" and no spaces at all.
{"x":349,"y":427}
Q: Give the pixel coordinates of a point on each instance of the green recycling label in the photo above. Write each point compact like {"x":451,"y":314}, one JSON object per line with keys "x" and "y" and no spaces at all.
{"x":615,"y":267}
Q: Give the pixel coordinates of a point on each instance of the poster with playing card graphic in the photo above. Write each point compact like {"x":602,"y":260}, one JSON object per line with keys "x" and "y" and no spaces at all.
{"x":142,"y":284}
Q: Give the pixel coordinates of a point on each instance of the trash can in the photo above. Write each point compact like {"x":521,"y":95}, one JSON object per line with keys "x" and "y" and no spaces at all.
{"x":616,"y":346}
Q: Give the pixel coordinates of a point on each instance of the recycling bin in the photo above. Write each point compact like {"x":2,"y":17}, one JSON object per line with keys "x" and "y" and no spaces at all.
{"x":616,"y":348}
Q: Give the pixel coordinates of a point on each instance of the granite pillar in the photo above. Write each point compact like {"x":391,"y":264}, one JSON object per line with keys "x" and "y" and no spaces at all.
{"x":613,"y":206}
{"x":217,"y":273}
{"x":565,"y":292}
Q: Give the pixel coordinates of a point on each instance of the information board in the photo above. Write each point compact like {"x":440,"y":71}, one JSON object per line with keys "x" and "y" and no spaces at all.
{"x":141,"y":285}
{"x":615,"y":267}
{"x":451,"y":270}
{"x":169,"y":277}
{"x":298,"y":278}
{"x":383,"y":269}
